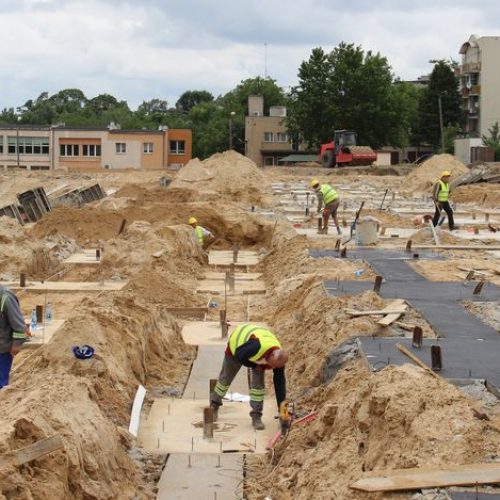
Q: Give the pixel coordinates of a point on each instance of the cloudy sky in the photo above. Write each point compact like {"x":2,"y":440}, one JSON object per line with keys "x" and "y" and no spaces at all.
{"x":142,"y":49}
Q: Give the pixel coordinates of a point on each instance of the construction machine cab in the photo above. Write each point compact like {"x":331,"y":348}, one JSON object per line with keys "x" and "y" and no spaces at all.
{"x":343,"y":150}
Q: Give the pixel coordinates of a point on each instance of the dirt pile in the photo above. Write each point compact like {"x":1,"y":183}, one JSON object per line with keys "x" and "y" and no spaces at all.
{"x":88,"y":402}
{"x":482,"y":195}
{"x":426,"y":175}
{"x":229,"y":174}
{"x":396,"y":418}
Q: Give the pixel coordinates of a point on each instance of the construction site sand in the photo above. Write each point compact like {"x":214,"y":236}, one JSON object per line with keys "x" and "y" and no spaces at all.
{"x":480,"y":195}
{"x":228,"y":174}
{"x":426,"y":175}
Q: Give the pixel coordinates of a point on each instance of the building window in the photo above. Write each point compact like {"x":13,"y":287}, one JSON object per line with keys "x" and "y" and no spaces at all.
{"x":121,"y":147}
{"x":148,"y":148}
{"x":28,"y":145}
{"x":91,"y":150}
{"x":69,"y":149}
{"x":1,"y":144}
{"x":281,"y":137}
{"x":268,"y":137}
{"x":178,"y":147}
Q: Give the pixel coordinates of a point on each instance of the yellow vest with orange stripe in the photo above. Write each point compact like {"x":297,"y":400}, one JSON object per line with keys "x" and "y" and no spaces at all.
{"x":242,"y":334}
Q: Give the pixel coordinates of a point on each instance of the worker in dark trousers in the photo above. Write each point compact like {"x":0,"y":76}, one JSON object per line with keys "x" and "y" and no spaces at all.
{"x":328,"y":197}
{"x":441,"y":196}
{"x":258,"y":348}
{"x":12,"y":332}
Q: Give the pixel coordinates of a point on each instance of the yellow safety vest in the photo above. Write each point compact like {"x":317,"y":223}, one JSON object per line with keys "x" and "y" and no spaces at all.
{"x":444,"y":192}
{"x":329,"y":194}
{"x":199,"y":235}
{"x":242,"y":334}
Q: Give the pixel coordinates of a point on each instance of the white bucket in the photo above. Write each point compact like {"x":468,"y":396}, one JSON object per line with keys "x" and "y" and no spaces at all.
{"x":366,"y":232}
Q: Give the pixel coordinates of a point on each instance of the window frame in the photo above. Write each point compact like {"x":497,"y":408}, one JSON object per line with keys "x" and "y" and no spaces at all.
{"x":177,"y":150}
{"x":268,"y":136}
{"x":148,"y":148}
{"x":120,"y":148}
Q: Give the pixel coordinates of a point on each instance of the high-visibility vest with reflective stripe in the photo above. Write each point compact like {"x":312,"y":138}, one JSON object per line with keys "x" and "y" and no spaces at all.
{"x":444,"y":191}
{"x":242,"y":334}
{"x":3,"y":300}
{"x":199,"y":235}
{"x":329,"y":194}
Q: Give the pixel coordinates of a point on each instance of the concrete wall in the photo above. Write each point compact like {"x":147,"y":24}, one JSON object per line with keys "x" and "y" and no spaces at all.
{"x":80,"y":137}
{"x":27,"y":161}
{"x":462,"y":148}
{"x":490,"y":82}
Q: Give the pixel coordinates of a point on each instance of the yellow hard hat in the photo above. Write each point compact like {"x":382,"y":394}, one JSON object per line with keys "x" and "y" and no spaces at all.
{"x":192,"y":220}
{"x":314,"y":183}
{"x":445,"y":173}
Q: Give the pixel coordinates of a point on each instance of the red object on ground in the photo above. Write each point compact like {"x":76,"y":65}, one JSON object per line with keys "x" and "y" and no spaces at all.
{"x":307,"y":418}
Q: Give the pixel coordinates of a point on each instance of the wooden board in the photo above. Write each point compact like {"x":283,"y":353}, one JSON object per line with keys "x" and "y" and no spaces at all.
{"x":391,"y":316}
{"x":225,"y":258}
{"x":240,"y":287}
{"x":376,"y":312}
{"x":213,"y":275}
{"x":208,"y":332}
{"x":85,"y":257}
{"x":414,"y":479}
{"x":67,"y":286}
{"x":31,"y":452}
{"x":133,"y":427}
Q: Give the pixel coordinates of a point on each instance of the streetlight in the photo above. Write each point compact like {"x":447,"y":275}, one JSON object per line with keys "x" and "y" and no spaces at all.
{"x":231,"y":129}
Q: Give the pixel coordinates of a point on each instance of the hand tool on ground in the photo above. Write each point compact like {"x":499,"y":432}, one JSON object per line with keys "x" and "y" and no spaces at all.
{"x":286,"y":416}
{"x":354,"y":222}
{"x":385,"y":194}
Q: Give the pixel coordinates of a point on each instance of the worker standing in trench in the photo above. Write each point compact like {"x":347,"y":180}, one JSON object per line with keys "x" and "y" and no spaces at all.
{"x":328,"y":197}
{"x":12,"y":332}
{"x":258,"y":348}
{"x":202,"y":235}
{"x":441,"y":196}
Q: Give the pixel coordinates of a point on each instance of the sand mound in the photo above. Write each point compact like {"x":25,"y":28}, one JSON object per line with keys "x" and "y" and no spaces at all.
{"x":228,"y":173}
{"x":423,"y":177}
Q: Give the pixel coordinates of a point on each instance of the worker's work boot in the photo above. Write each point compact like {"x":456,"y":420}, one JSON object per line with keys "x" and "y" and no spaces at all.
{"x":257,"y":423}
{"x":339,"y":230}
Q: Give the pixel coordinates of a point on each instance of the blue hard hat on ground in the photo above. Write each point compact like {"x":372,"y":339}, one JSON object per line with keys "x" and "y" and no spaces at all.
{"x":83,"y":352}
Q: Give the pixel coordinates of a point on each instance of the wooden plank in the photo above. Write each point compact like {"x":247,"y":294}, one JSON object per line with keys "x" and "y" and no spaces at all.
{"x":417,"y":361}
{"x":31,"y":452}
{"x":375,"y":312}
{"x":391,"y":317}
{"x":413,"y":479}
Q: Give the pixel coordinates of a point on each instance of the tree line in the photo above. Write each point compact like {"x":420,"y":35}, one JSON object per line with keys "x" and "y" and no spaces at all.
{"x":345,"y":88}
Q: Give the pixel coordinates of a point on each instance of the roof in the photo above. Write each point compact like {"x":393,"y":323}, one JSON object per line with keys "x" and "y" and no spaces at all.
{"x":298,"y":158}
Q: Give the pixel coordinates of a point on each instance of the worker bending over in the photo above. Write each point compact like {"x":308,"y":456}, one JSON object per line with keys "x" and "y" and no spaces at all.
{"x":328,"y":197}
{"x":441,"y":195}
{"x":258,"y":348}
{"x":12,"y":332}
{"x":202,"y":235}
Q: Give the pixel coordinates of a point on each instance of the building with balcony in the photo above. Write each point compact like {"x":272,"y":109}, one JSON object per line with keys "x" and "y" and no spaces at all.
{"x":94,"y":148}
{"x":479,"y":81}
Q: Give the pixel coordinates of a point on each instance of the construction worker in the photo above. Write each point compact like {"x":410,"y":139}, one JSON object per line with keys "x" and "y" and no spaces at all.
{"x":441,"y":195}
{"x":328,"y":197}
{"x":258,"y":348}
{"x":12,"y":332}
{"x":202,"y":235}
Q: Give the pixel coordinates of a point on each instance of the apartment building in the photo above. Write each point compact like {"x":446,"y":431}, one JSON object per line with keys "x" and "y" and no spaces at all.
{"x":93,"y":148}
{"x":266,"y":138}
{"x":479,"y":81}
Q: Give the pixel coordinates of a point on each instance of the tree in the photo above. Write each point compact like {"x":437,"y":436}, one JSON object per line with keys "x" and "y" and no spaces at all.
{"x":443,"y":86}
{"x":8,"y":116}
{"x":67,"y":101}
{"x":493,"y":141}
{"x":349,"y":89}
{"x":191,"y":98}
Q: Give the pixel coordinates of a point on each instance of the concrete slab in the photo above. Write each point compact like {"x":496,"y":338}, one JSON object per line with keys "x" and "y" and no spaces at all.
{"x":225,"y":258}
{"x":207,"y":332}
{"x":43,"y":333}
{"x":211,"y":476}
{"x":405,"y":232}
{"x":217,"y":287}
{"x":67,"y":286}
{"x":84,"y":257}
{"x":312,"y":233}
{"x":176,"y":426}
{"x":213,"y":275}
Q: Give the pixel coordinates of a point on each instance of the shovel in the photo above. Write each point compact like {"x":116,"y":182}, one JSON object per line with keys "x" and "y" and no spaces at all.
{"x":354,"y":222}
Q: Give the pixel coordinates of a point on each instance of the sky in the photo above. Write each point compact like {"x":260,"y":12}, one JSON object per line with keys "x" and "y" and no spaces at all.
{"x":138,"y":50}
